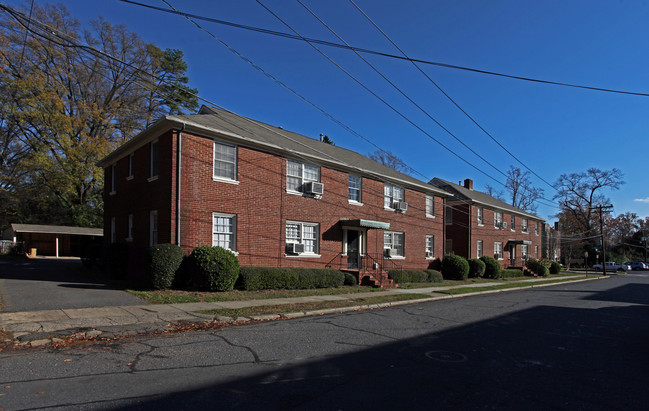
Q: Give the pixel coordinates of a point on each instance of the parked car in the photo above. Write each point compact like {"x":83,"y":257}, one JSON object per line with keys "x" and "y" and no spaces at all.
{"x":639,"y":265}
{"x":612,"y":266}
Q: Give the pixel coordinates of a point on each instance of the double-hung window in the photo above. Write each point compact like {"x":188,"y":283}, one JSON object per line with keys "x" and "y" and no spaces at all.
{"x":224,"y":229}
{"x":430,"y":246}
{"x":498,"y":219}
{"x":298,"y":174}
{"x":430,"y":206}
{"x":524,"y":252}
{"x":354,"y":190}
{"x":307,"y":234}
{"x":392,"y":194}
{"x":394,"y":241}
{"x":498,"y":250}
{"x":524,"y":227}
{"x":479,"y":249}
{"x":513,"y":223}
{"x":536,"y":228}
{"x":449,"y":215}
{"x":225,"y":161}
{"x":480,"y":215}
{"x":154,"y":159}
{"x":153,"y":227}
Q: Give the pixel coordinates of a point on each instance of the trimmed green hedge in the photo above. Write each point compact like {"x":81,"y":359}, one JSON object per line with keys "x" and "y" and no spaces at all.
{"x":537,"y":266}
{"x":476,"y":268}
{"x":492,"y":267}
{"x":213,"y":268}
{"x":163,"y":262}
{"x":555,"y":268}
{"x":415,"y":276}
{"x":275,"y":278}
{"x":455,"y":267}
{"x":511,"y":272}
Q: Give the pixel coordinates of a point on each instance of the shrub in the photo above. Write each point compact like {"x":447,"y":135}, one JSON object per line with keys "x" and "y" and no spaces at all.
{"x":213,"y":268}
{"x":511,"y":272}
{"x":455,"y":267}
{"x":492,"y":267}
{"x":434,"y":276}
{"x":436,"y":265}
{"x":476,"y":268}
{"x":163,"y":262}
{"x":284,"y":278}
{"x":350,"y":279}
{"x":537,"y":267}
{"x":408,"y":276}
{"x":555,"y":268}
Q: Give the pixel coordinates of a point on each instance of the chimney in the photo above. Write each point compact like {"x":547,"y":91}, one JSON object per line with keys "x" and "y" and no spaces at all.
{"x":468,"y":183}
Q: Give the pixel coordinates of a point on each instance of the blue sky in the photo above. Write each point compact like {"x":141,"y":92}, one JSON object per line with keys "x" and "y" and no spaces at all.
{"x":551,"y":129}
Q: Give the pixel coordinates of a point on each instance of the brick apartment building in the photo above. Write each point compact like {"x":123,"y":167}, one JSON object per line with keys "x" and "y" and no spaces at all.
{"x":273,"y":197}
{"x":478,"y":224}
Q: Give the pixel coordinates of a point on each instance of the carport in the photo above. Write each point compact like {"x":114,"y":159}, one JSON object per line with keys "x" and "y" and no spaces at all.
{"x":53,"y":240}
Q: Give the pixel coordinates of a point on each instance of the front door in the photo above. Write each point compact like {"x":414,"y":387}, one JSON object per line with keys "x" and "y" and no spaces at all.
{"x":353,"y":250}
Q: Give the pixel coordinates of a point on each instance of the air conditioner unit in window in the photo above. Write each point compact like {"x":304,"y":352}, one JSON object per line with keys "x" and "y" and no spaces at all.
{"x":400,"y":206}
{"x":313,"y":187}
{"x":504,"y":224}
{"x":294,"y":248}
{"x":390,"y":252}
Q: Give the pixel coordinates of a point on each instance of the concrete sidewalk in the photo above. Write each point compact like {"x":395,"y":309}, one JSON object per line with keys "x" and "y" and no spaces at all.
{"x":38,"y":328}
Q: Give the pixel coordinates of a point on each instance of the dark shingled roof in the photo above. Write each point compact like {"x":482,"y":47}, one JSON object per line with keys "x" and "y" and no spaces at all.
{"x":56,"y":229}
{"x":213,"y":122}
{"x":464,"y":194}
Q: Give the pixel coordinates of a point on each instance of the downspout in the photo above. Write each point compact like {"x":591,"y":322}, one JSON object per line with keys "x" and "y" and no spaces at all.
{"x":470,"y":214}
{"x":178,"y":176}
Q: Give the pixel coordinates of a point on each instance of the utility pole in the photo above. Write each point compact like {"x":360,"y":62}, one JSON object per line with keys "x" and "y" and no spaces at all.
{"x":602,"y":209}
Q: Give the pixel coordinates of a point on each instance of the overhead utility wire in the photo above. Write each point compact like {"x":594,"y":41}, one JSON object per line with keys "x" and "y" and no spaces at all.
{"x":446,"y":94}
{"x":378,"y":53}
{"x":392,"y":107}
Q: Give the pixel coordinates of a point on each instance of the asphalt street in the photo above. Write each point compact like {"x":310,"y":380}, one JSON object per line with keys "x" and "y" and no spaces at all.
{"x":579,"y":346}
{"x":50,"y":284}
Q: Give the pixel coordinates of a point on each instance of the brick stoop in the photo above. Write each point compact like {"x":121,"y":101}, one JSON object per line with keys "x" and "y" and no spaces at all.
{"x":380,"y":280}
{"x":528,"y":272}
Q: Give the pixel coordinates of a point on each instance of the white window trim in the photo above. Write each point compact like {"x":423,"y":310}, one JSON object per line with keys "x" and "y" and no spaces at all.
{"x":303,"y":180}
{"x":498,"y":220}
{"x":480,"y":216}
{"x":525,"y":228}
{"x":129,"y":228}
{"x":360,"y":190}
{"x":479,"y":248}
{"x":306,"y":254}
{"x":131,"y":166}
{"x":448,"y":215}
{"x":362,"y":239}
{"x":432,"y":200}
{"x":236,"y":164}
{"x":432,"y":250}
{"x":403,"y":235}
{"x":392,"y":198}
{"x":113,"y":179}
{"x":153,"y":177}
{"x":234,"y":230}
{"x":502,"y":251}
{"x":513,"y":223}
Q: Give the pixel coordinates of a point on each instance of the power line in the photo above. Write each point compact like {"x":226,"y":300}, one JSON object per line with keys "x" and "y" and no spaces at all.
{"x":378,"y":53}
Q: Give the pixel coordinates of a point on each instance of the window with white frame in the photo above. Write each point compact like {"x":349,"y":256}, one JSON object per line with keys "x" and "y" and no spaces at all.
{"x":498,"y":219}
{"x":513,"y":223}
{"x":224,"y":228}
{"x":524,"y":225}
{"x":536,"y":228}
{"x":153,"y":227}
{"x":498,"y":250}
{"x":524,"y":252}
{"x":480,"y":215}
{"x":392,"y":194}
{"x":298,"y":174}
{"x":354,"y":189}
{"x":536,"y":251}
{"x":113,"y":233}
{"x":448,"y":217}
{"x":304,"y":233}
{"x":113,"y":172}
{"x":225,"y":161}
{"x":430,"y":206}
{"x":131,"y":166}
{"x":394,"y":241}
{"x":154,"y":159}
{"x":129,"y":228}
{"x":479,"y":249}
{"x":430,"y":246}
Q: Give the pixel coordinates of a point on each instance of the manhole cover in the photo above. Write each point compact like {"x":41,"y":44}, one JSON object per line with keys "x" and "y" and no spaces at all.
{"x":446,"y":356}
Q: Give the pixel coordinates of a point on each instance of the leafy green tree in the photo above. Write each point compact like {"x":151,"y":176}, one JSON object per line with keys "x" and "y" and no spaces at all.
{"x":69,"y":96}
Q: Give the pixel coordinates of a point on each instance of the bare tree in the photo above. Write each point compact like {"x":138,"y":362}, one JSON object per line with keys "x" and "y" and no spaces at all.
{"x":523,"y":194}
{"x":390,"y":160}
